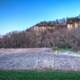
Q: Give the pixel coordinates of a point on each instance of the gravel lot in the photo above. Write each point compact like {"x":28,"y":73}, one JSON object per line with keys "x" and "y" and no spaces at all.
{"x":38,"y":58}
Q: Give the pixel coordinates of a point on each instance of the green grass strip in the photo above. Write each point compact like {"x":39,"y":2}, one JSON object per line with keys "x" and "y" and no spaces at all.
{"x":39,"y":75}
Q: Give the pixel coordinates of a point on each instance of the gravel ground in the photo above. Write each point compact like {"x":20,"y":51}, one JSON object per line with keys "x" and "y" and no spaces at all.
{"x":38,"y":58}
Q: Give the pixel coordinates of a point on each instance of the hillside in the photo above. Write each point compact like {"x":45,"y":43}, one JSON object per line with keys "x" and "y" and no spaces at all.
{"x":64,"y":33}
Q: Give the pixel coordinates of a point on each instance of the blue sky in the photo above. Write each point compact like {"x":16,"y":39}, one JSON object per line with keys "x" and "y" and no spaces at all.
{"x":21,"y":14}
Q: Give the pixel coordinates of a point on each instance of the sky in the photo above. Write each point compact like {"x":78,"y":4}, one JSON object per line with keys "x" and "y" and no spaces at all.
{"x":18,"y":15}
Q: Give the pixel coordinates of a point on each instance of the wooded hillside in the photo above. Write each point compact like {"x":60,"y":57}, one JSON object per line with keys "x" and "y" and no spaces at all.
{"x":60,"y":38}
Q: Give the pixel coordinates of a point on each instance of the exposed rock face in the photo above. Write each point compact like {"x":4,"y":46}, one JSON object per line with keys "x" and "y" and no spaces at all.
{"x":70,"y":24}
{"x":38,"y":58}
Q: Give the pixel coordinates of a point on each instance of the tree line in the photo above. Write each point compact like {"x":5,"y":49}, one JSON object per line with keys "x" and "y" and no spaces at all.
{"x":61,"y":38}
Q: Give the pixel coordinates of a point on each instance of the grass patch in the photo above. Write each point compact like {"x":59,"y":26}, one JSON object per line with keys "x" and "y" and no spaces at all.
{"x":39,"y":75}
{"x":63,"y":49}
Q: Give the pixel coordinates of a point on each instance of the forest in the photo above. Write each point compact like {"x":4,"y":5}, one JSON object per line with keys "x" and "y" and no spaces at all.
{"x":60,"y":38}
